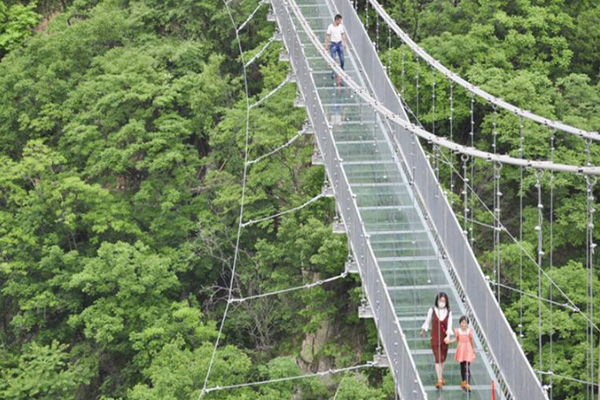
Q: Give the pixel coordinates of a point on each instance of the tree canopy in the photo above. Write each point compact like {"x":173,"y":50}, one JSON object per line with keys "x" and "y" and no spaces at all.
{"x":122,"y":141}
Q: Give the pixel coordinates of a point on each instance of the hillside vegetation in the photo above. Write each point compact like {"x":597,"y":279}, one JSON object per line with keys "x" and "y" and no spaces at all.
{"x":122,"y":144}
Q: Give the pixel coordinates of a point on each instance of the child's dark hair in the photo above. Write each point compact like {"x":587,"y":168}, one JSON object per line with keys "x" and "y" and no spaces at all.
{"x":338,"y":16}
{"x":463,"y":318}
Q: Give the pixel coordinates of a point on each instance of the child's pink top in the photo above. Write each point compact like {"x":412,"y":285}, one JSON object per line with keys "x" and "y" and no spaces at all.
{"x":464,"y":349}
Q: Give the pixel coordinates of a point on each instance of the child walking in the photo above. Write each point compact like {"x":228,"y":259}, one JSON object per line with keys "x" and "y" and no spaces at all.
{"x":465,"y":351}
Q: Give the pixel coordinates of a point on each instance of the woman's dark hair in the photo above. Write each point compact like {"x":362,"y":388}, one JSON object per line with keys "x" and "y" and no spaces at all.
{"x":338,"y":16}
{"x":439,"y":296}
{"x":463,"y":318}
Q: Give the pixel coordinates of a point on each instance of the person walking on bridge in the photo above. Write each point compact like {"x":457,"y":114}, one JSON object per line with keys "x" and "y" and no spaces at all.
{"x":465,"y":351}
{"x":335,"y":41}
{"x":439,"y":317}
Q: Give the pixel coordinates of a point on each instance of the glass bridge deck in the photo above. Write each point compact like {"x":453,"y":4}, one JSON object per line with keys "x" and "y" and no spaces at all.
{"x":407,"y":256}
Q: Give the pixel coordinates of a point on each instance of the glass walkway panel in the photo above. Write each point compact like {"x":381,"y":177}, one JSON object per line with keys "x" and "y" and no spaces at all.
{"x":407,"y":256}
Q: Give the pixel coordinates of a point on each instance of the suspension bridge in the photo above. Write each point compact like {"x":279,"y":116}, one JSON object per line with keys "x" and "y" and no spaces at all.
{"x":411,"y":235}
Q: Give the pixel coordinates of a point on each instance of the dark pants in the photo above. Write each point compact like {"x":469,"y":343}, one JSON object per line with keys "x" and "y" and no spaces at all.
{"x":339,"y":49}
{"x":465,"y":371}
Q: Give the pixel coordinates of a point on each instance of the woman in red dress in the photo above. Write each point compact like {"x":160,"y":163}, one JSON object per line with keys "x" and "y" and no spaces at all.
{"x":440,"y":318}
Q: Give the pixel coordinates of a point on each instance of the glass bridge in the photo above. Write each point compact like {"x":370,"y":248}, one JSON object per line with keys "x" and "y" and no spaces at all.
{"x":407,"y":255}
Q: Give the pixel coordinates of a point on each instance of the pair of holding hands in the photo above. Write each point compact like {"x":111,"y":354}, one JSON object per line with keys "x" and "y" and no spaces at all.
{"x":446,"y":339}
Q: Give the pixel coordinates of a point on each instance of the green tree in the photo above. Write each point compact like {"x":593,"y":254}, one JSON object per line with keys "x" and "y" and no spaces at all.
{"x":45,"y":372}
{"x":16,"y":25}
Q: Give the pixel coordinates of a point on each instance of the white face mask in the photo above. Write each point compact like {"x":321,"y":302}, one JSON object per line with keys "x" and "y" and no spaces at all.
{"x":442,"y":304}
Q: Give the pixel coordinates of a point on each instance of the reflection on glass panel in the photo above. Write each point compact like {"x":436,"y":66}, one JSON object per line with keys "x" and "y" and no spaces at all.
{"x":383,"y":196}
{"x":372,"y":176}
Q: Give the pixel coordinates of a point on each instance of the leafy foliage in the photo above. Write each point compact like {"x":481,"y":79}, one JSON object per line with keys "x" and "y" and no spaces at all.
{"x":16,"y":24}
{"x":122,"y":140}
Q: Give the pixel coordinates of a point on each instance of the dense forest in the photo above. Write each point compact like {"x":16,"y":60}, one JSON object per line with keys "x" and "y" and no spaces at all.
{"x":122,"y":141}
{"x":122,"y":126}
